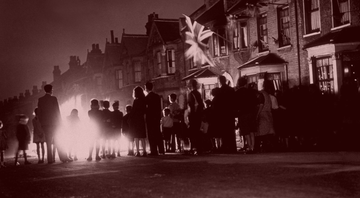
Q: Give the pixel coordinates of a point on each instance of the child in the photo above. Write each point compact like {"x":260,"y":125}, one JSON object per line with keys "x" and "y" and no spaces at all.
{"x":126,"y":130}
{"x":23,"y":137}
{"x":74,"y":126}
{"x":175,"y":113}
{"x":39,"y":137}
{"x":3,"y":145}
{"x":166,"y":126}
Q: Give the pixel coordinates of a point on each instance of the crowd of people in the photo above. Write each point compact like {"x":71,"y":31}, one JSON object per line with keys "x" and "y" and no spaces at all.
{"x":267,"y":119}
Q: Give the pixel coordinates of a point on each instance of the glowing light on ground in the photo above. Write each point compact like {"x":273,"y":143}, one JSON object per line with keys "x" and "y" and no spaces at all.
{"x":79,"y":139}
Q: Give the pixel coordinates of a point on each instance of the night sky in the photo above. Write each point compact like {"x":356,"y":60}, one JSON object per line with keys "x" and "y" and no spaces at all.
{"x":35,"y":35}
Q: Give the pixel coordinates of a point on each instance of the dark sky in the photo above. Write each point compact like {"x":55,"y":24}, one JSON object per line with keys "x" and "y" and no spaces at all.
{"x":35,"y":35}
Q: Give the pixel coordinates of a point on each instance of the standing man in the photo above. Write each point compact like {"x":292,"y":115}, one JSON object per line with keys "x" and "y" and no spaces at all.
{"x":49,"y":117}
{"x":226,"y":116}
{"x":153,"y":116}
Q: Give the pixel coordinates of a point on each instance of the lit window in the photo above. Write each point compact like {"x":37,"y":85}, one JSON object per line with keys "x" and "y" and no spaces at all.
{"x":325,"y":76}
{"x":119,"y":78}
{"x":341,"y":12}
{"x":137,"y":71}
{"x":262,"y":33}
{"x":312,"y":16}
{"x":170,"y":58}
{"x":284,"y":26}
{"x":240,"y":35}
{"x":220,"y":48}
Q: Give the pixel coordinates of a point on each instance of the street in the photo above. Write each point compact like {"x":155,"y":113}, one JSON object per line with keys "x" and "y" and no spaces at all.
{"x":291,"y":175}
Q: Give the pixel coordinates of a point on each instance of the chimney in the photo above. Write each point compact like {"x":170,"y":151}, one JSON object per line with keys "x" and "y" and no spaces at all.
{"x":27,"y":93}
{"x":151,"y":18}
{"x":97,"y":46}
{"x":56,"y":73}
{"x":116,"y":40}
{"x":21,"y":96}
{"x":93,"y":47}
{"x":112,"y":36}
{"x":35,"y":90}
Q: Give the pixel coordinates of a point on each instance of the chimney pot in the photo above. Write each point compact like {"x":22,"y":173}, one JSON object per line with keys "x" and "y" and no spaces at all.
{"x":112,"y":36}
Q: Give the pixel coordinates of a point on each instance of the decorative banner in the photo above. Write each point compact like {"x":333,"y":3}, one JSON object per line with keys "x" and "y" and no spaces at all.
{"x":195,"y":38}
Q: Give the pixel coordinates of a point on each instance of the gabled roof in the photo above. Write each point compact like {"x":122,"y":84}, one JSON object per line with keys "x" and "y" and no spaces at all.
{"x":344,"y":35}
{"x":204,"y":72}
{"x":267,"y":59}
{"x":168,"y":29}
{"x":133,"y":44}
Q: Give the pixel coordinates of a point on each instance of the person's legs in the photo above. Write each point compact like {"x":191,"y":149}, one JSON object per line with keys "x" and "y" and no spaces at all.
{"x":16,"y":157}
{"x":252,"y":141}
{"x":97,"y":145}
{"x":137,"y":147}
{"x":91,"y":150}
{"x":25,"y":157}
{"x":143,"y":141}
{"x":38,"y":151}
{"x":42,"y":152}
{"x":2,"y":165}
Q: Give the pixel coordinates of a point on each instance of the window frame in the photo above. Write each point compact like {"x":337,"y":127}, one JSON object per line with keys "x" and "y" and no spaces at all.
{"x":308,"y":17}
{"x":284,"y":40}
{"x":241,"y":35}
{"x":137,"y":71}
{"x":325,"y":82}
{"x":219,"y":42}
{"x":347,"y":13}
{"x":170,"y":61}
{"x":119,"y":78}
{"x":262,"y":47}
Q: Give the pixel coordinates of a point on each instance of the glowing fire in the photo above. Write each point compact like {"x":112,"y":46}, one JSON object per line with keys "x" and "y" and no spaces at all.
{"x":80,"y":138}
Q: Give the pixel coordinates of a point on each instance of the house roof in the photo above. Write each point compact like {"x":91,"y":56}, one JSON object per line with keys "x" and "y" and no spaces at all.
{"x":133,"y":44}
{"x":168,"y":29}
{"x":204,"y":72}
{"x":267,"y":59}
{"x":345,"y":35}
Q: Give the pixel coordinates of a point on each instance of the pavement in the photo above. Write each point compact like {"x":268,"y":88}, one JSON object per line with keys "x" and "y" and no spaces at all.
{"x":290,"y":175}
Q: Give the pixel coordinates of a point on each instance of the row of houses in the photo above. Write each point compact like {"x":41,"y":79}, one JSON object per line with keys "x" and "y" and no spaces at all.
{"x":291,"y":42}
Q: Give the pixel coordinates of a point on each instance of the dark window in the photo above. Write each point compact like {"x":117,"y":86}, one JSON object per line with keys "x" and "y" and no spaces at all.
{"x":262,"y":33}
{"x":341,"y":12}
{"x":284,"y":26}
{"x":312,"y":16}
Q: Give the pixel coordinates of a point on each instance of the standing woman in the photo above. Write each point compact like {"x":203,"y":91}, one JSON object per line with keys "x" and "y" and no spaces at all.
{"x":264,"y":116}
{"x":196,"y":106}
{"x":39,"y":137}
{"x":137,"y":119}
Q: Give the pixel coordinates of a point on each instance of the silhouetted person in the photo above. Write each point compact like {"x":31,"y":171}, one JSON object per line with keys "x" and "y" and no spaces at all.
{"x":153,"y":116}
{"x":38,"y":137}
{"x":176,"y":115}
{"x":74,"y":129}
{"x":50,"y":119}
{"x":126,"y":130}
{"x":137,"y":120}
{"x":246,"y":107}
{"x":215,"y":127}
{"x":196,"y":107}
{"x":23,"y":138}
{"x":96,"y":122}
{"x":117,"y":123}
{"x":226,"y":116}
{"x":3,"y":145}
{"x":265,"y":123}
{"x":107,"y":129}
